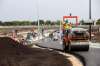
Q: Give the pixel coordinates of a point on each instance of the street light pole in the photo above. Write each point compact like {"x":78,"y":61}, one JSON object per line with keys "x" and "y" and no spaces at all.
{"x":89,"y":9}
{"x":38,"y":18}
{"x":90,"y":18}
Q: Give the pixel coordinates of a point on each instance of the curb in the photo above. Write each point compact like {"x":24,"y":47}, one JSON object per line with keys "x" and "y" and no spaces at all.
{"x":80,"y":58}
{"x":76,"y":59}
{"x":73,"y":58}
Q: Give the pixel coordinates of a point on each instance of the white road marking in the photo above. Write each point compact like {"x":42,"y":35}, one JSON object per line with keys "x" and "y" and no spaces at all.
{"x":94,"y":45}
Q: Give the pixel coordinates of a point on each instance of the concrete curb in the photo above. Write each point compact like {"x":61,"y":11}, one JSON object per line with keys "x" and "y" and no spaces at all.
{"x":79,"y":57}
{"x":75,"y":60}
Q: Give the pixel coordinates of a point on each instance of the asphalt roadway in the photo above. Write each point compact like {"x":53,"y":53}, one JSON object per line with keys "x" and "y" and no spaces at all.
{"x":91,"y":57}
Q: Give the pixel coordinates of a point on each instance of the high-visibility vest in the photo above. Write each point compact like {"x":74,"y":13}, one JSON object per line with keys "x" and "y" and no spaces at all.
{"x":67,"y":26}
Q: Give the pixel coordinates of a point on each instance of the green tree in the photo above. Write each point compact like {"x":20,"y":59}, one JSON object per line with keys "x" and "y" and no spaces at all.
{"x":1,"y":23}
{"x":34,"y":23}
{"x":41,"y":22}
{"x":98,"y":22}
{"x":58,"y":22}
{"x":17,"y":23}
{"x":48,"y":22}
{"x":82,"y":22}
{"x":52,"y":23}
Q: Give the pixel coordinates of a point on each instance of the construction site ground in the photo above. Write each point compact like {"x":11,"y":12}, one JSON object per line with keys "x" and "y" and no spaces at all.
{"x":13,"y":53}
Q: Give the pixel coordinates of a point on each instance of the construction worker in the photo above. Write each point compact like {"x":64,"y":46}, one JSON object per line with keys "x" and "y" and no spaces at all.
{"x":66,"y":40}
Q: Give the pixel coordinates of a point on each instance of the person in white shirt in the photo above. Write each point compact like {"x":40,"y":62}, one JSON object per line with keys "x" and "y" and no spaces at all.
{"x":55,"y":36}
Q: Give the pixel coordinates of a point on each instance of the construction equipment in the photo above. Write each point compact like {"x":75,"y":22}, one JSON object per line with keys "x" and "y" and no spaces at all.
{"x":74,"y":38}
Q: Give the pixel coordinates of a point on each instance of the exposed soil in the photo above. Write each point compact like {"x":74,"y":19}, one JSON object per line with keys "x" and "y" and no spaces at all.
{"x":13,"y":53}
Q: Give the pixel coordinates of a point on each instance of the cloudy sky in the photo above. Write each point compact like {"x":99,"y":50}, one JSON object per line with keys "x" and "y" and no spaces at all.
{"x":48,"y":9}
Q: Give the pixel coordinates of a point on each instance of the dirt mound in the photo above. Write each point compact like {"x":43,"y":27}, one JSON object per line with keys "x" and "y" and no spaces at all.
{"x":13,"y":53}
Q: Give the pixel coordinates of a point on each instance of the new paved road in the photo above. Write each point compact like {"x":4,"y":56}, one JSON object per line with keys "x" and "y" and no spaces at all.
{"x":92,"y":57}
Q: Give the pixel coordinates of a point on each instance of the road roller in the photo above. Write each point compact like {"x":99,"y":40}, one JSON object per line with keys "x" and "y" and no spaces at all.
{"x":76,"y":39}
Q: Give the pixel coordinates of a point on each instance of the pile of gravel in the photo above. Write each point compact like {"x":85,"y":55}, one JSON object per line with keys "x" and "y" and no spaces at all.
{"x":13,"y":53}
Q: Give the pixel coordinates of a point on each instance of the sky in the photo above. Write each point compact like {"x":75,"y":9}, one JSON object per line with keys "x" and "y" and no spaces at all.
{"x":46,"y":9}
